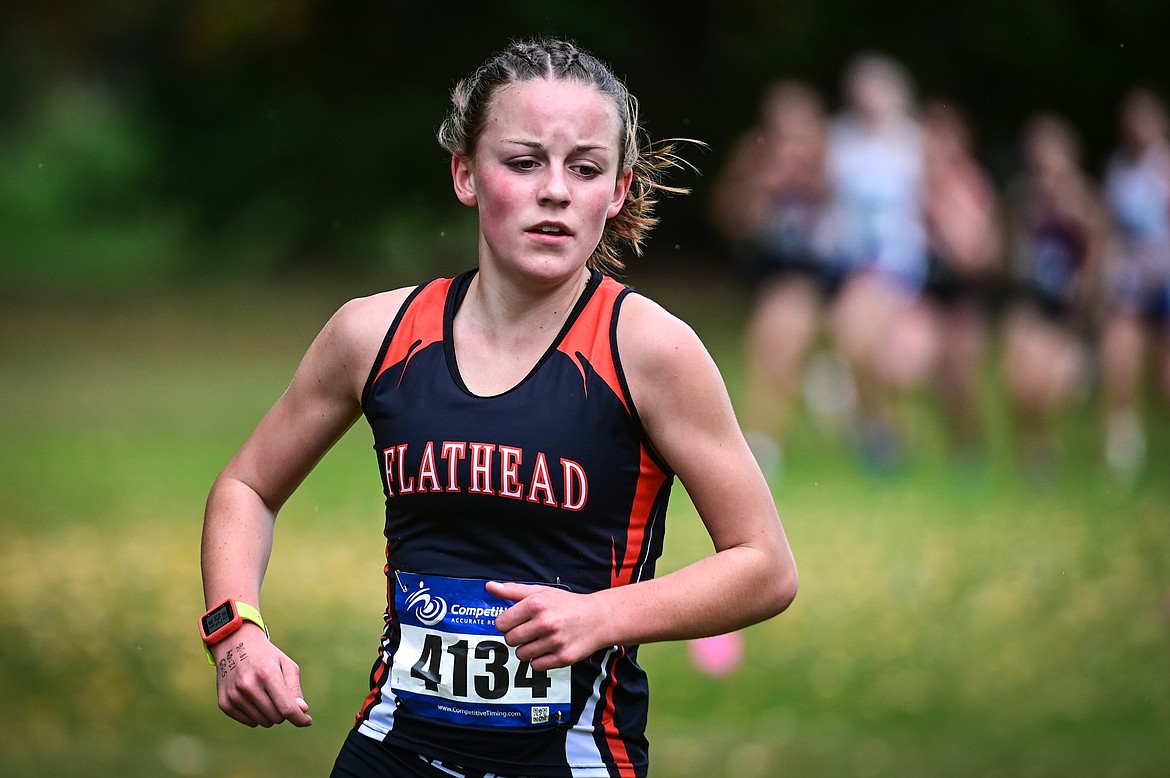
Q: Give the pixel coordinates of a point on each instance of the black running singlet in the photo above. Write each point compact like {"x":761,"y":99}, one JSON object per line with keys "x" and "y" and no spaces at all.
{"x":550,"y":482}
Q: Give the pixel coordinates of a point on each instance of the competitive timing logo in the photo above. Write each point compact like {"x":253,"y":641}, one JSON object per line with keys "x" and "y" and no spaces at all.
{"x":428,"y":608}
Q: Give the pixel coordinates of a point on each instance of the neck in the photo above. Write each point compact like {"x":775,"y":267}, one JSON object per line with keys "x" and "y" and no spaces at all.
{"x":501,"y":331}
{"x":499,"y":306}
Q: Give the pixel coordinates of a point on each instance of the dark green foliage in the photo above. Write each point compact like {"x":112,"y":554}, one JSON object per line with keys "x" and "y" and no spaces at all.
{"x":267,"y":138}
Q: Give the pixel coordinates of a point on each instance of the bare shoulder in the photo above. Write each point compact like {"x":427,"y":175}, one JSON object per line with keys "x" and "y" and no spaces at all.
{"x":654,"y":342}
{"x":670,"y":374}
{"x":369,"y":317}
{"x":349,"y":342}
{"x":680,"y":395}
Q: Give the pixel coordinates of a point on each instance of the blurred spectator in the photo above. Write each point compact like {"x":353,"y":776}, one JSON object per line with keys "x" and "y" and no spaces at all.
{"x":965,"y":256}
{"x":767,"y":202}
{"x":874,"y":226}
{"x":1057,"y":236}
{"x":1137,"y":320}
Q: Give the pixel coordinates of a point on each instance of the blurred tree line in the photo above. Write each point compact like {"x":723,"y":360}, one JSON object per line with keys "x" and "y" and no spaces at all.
{"x":154,"y":141}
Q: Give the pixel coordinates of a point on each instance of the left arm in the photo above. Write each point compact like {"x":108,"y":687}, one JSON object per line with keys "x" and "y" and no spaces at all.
{"x":687,"y":414}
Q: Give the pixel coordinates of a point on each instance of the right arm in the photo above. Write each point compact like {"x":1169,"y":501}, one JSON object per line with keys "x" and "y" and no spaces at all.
{"x":259,"y":685}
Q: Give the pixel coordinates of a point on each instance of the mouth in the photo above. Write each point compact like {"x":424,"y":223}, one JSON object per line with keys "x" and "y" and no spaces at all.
{"x":553,"y":229}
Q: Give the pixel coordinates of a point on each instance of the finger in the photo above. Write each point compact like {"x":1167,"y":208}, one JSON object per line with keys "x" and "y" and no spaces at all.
{"x":295,"y":710}
{"x":264,"y":709}
{"x":516,"y":628}
{"x":239,"y":715}
{"x":546,"y":662}
{"x":260,"y":693}
{"x":520,"y":622}
{"x":527,"y":605}
{"x":510,"y":591}
{"x":529,"y":650}
{"x":240,"y":707}
{"x":267,"y":711}
{"x":543,"y":655}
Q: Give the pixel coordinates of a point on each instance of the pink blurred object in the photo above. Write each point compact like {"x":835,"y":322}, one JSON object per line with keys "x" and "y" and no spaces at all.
{"x":719,"y":654}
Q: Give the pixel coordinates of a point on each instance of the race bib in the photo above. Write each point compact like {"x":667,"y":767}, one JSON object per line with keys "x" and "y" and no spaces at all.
{"x":452,"y":663}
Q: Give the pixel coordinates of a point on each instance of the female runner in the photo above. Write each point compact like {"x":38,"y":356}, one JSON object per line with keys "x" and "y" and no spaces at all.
{"x":528,"y":418}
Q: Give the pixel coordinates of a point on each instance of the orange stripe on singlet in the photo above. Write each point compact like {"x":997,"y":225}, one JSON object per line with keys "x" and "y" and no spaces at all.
{"x":418,"y":327}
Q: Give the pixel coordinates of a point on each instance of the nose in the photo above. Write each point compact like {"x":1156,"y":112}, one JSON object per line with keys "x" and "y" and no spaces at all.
{"x":554,"y":189}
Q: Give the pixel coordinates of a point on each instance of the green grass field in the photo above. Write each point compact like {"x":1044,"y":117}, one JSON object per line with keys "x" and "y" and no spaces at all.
{"x":951,"y":622}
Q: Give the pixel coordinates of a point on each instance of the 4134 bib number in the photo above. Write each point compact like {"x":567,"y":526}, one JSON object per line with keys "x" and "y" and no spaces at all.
{"x":453,"y":664}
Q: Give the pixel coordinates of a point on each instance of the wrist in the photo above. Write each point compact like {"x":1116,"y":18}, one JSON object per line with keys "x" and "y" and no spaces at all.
{"x":610,"y":626}
{"x":237,"y":646}
{"x":219,"y":623}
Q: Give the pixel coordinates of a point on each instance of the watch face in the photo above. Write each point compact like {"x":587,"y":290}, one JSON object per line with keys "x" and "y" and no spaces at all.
{"x":218,"y":618}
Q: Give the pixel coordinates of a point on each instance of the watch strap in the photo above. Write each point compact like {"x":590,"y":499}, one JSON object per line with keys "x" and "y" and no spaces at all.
{"x":248,"y":613}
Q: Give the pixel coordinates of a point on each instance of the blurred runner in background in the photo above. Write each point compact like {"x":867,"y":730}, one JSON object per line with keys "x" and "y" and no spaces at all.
{"x":965,"y":243}
{"x":767,"y":203}
{"x":875,"y":227}
{"x":1137,"y":285}
{"x":1058,"y":231}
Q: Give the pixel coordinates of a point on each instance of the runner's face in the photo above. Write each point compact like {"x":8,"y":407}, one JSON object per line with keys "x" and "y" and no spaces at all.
{"x":546,"y":176}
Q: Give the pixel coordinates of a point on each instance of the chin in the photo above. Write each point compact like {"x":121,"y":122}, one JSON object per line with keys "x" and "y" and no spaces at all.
{"x":546,"y":268}
{"x":557,"y":273}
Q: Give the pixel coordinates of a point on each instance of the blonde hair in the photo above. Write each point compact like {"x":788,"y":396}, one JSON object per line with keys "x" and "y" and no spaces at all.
{"x":471,"y":101}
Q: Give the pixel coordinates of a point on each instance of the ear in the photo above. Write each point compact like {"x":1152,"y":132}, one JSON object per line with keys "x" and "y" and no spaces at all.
{"x":463,"y":178}
{"x":620,"y":190}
